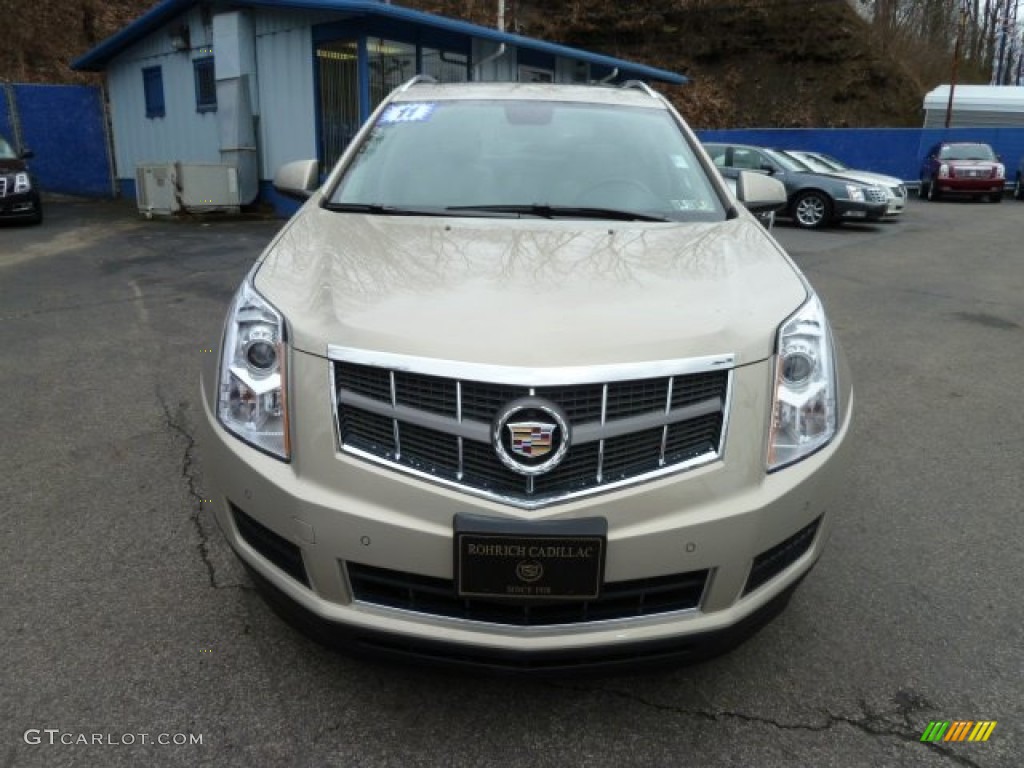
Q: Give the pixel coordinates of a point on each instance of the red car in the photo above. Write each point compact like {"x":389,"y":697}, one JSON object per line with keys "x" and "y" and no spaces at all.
{"x":962,"y":168}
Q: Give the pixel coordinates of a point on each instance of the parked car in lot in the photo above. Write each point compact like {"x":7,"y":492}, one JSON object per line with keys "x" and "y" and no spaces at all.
{"x":814,"y":200}
{"x":962,"y":168}
{"x":895,"y":189}
{"x":19,"y":195}
{"x":474,"y":402}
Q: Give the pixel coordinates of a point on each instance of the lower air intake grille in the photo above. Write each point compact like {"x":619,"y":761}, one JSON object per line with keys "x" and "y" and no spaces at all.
{"x":774,"y":561}
{"x":274,"y":548}
{"x":437,"y":597}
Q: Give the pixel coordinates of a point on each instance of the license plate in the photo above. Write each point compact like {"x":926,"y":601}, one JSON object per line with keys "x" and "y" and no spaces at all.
{"x":523,"y":560}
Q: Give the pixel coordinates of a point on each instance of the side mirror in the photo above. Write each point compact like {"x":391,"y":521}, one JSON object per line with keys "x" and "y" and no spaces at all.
{"x":299,"y":179}
{"x":27,"y":154}
{"x":760,"y":194}
{"x":770,"y":170}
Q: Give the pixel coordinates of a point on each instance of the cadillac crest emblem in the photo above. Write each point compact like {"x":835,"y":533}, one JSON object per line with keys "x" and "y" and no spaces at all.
{"x":531,"y":438}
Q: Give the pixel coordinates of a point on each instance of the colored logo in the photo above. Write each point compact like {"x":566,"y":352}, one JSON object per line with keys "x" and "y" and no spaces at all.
{"x":958,"y":730}
{"x":531,"y":438}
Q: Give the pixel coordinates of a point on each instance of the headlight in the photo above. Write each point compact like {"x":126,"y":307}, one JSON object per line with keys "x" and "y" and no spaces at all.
{"x":855,"y":193}
{"x":999,"y":171}
{"x":943,"y":171}
{"x":251,"y":401}
{"x":21,"y":183}
{"x":804,"y":408}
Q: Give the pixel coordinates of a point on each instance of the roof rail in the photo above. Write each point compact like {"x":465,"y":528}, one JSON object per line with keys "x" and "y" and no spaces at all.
{"x":416,"y":79}
{"x":640,"y":85}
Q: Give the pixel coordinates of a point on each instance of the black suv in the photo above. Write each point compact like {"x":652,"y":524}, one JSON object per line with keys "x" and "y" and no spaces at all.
{"x":19,"y":195}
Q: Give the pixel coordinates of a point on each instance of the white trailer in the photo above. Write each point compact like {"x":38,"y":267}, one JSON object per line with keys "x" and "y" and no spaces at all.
{"x":987,"y":106}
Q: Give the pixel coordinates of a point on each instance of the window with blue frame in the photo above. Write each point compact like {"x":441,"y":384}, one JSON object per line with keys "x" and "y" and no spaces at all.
{"x":153,"y":86}
{"x":206,"y":85}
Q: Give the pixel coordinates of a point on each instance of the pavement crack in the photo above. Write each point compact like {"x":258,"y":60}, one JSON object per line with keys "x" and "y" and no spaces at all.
{"x":896,"y":722}
{"x":176,"y":423}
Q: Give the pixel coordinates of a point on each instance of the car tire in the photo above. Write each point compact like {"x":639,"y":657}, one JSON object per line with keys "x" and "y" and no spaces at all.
{"x":995,"y":197}
{"x":1018,"y":189}
{"x":922,"y":189}
{"x":812,"y":210}
{"x":933,"y":191}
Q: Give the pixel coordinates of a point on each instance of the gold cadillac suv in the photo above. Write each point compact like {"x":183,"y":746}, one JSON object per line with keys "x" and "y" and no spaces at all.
{"x":525,"y":385}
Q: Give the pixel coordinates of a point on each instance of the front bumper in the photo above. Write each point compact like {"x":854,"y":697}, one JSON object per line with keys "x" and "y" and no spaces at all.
{"x":326,"y":510}
{"x":971,"y":186}
{"x":852,"y":210}
{"x":25,"y":205}
{"x":896,"y":204}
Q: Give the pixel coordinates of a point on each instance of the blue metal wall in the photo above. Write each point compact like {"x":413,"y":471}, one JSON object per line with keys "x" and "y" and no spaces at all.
{"x":894,"y":151}
{"x":6,"y":127}
{"x":66,"y":128}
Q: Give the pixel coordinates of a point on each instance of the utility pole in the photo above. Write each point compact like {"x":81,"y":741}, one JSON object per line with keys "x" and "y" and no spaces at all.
{"x":956,"y":58}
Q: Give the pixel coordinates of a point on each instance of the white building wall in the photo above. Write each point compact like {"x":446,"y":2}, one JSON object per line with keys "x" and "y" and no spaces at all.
{"x":284,"y":66}
{"x":183,"y":133}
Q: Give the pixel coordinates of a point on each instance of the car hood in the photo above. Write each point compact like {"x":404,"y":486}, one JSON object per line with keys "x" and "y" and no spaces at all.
{"x":829,"y":181}
{"x":529,"y":292}
{"x":868,"y":177}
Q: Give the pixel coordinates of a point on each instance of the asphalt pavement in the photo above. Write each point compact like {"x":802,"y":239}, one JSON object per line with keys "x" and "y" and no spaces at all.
{"x":126,"y":622}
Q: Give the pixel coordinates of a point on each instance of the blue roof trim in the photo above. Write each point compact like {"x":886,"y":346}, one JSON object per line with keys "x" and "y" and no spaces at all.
{"x":97,"y":59}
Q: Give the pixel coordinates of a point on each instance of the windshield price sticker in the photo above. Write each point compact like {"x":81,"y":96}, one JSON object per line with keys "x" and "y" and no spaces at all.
{"x":407,"y":113}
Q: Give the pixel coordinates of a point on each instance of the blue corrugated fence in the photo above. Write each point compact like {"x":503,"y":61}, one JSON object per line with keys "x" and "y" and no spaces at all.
{"x":66,"y":128}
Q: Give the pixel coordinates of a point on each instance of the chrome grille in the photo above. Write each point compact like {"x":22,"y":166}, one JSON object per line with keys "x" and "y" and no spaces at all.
{"x":876,"y":195}
{"x":402,"y":413}
{"x":3,"y":186}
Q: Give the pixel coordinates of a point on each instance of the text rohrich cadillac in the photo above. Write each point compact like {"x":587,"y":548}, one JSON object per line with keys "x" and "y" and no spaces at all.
{"x":525,"y":385}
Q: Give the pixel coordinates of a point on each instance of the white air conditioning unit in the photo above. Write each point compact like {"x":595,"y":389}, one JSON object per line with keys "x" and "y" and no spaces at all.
{"x":156,"y":189}
{"x":208,"y":187}
{"x":163,"y":189}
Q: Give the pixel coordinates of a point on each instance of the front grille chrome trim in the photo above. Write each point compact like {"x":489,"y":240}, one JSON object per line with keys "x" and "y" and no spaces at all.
{"x":481,"y":432}
{"x":531,"y":504}
{"x":544,"y":630}
{"x":458,"y":415}
{"x":384,"y":380}
{"x":394,"y":419}
{"x":604,"y":419}
{"x":531,"y":377}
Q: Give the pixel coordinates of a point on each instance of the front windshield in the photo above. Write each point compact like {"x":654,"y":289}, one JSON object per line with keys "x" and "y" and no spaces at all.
{"x":485,"y":154}
{"x":967,"y":152}
{"x":788,"y":163}
{"x":6,"y":153}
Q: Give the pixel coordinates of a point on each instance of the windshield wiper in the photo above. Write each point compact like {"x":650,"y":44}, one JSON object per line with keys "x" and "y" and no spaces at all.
{"x":378,"y":209}
{"x":559,"y":211}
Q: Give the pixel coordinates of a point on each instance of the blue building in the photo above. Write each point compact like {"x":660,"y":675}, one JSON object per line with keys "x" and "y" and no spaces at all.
{"x":223,"y":93}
